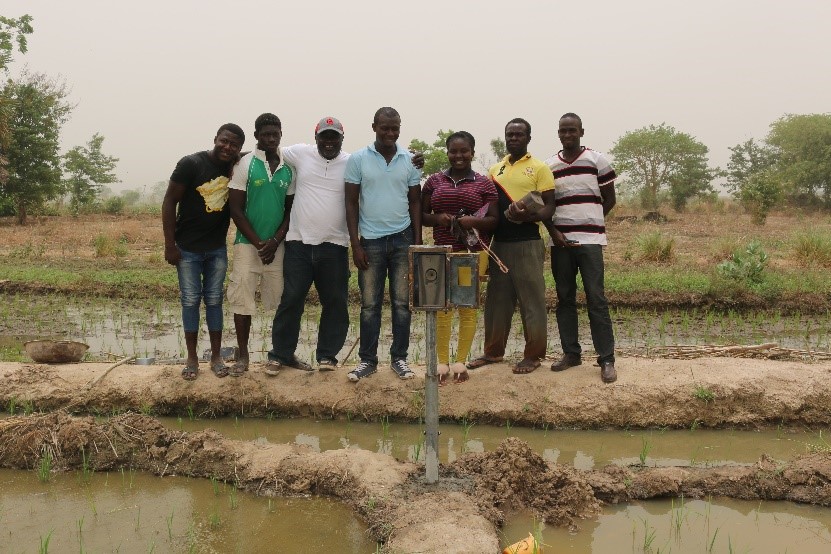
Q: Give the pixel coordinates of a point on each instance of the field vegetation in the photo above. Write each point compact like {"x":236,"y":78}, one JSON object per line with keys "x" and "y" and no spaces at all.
{"x":711,"y":255}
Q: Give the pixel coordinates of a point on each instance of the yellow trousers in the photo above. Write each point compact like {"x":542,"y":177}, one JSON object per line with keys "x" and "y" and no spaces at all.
{"x":467,"y":326}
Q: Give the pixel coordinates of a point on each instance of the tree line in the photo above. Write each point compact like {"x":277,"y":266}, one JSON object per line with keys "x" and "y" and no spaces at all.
{"x":660,"y":165}
{"x":33,"y":109}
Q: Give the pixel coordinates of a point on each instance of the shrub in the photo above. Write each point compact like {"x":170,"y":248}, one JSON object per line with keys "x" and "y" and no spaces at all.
{"x":760,"y":193}
{"x":812,"y":249}
{"x":104,"y":246}
{"x":114,"y":205}
{"x":745,"y":266}
{"x":655,"y":247}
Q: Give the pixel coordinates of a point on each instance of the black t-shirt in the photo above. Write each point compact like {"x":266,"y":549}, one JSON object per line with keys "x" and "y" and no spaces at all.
{"x":203,"y":216}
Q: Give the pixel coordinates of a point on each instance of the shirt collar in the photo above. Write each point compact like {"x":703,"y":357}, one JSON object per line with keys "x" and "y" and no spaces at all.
{"x":398,"y":150}
{"x":471,"y":176}
{"x":260,"y":155}
{"x":507,"y":159}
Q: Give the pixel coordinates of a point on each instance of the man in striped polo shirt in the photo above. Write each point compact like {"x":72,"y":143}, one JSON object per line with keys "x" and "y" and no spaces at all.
{"x":585,"y":194}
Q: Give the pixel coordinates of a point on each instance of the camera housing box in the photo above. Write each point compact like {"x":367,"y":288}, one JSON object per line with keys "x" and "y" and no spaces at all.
{"x":441,"y":279}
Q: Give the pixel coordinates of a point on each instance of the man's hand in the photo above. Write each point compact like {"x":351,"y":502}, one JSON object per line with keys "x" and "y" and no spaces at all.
{"x":417,"y":159}
{"x":559,"y":239}
{"x":518,"y":213}
{"x":360,"y":257}
{"x":172,"y":254}
{"x":266,"y":250}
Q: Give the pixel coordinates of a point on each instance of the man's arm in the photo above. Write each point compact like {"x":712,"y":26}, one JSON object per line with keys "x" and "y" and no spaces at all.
{"x":414,"y":199}
{"x":269,"y":249}
{"x":353,"y":195}
{"x":518,"y":212}
{"x":175,"y":193}
{"x":236,"y":202}
{"x":607,"y":193}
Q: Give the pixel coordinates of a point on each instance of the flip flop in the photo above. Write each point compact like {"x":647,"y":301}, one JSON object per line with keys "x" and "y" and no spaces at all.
{"x":219,"y":369}
{"x":525,"y":366}
{"x":239,"y":368}
{"x":190,"y":373}
{"x":482,"y":361}
{"x":460,"y":374}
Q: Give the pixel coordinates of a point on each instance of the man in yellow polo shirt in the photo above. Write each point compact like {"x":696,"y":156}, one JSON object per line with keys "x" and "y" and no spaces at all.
{"x":517,"y":242}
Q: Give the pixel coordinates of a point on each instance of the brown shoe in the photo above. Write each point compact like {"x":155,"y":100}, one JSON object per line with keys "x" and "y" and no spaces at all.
{"x":607,"y":372}
{"x":567,"y":361}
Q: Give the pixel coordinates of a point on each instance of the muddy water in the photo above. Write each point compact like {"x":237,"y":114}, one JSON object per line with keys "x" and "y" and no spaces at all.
{"x":147,"y":328}
{"x":691,"y":526}
{"x":135,"y":512}
{"x":582,"y":449}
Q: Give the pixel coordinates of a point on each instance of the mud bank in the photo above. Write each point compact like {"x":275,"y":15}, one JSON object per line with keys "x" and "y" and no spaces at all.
{"x":459,"y":514}
{"x":712,"y":392}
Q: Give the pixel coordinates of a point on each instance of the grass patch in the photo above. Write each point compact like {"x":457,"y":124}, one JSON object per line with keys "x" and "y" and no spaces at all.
{"x":811,"y":249}
{"x":655,"y":247}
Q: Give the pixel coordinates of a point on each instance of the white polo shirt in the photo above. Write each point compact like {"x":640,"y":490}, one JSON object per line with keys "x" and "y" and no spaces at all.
{"x":318,"y":213}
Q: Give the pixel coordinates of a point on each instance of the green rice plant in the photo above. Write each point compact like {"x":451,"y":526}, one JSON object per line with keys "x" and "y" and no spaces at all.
{"x":190,"y":412}
{"x":655,"y":247}
{"x":215,"y":485}
{"x":45,"y":466}
{"x":385,"y":426}
{"x":151,"y":548}
{"x":214,"y":520}
{"x":44,"y":542}
{"x":648,"y":535}
{"x":703,"y":393}
{"x":12,"y":405}
{"x":678,"y":514}
{"x":138,"y":519}
{"x":466,"y":425}
{"x":232,"y":498}
{"x":86,"y":469}
{"x":646,"y":446}
{"x":811,"y":249}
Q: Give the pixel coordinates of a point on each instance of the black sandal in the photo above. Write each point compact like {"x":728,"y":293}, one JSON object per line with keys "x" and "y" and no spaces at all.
{"x":190,"y":373}
{"x":219,"y":369}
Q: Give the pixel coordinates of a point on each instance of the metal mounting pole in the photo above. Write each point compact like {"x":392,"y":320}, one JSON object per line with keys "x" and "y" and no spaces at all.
{"x":431,"y":403}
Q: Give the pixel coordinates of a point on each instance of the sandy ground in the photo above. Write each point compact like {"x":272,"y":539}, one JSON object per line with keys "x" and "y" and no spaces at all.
{"x":463,"y":511}
{"x":648,"y":393}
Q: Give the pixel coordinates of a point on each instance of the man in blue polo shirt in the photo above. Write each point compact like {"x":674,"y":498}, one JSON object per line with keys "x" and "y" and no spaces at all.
{"x":383,"y":215}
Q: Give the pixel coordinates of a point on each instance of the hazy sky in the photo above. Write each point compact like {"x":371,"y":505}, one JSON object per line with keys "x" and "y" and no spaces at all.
{"x":157,"y":78}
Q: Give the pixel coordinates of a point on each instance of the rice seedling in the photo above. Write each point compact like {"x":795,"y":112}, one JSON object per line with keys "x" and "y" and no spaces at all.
{"x":45,"y":466}
{"x":233,"y":502}
{"x":215,"y":485}
{"x":86,"y":469}
{"x":44,"y":542}
{"x":138,"y":519}
{"x":646,"y":446}
{"x":214,"y":520}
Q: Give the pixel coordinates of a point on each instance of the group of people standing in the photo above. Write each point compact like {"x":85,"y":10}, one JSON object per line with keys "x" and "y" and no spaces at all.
{"x":299,"y":209}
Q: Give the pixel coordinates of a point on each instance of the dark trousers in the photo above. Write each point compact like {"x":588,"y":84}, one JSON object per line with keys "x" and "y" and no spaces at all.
{"x":587,"y":260}
{"x":523,"y":285}
{"x":327,"y":266}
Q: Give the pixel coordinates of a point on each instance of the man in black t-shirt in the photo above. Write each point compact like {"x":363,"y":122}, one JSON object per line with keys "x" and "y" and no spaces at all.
{"x":195,"y":238}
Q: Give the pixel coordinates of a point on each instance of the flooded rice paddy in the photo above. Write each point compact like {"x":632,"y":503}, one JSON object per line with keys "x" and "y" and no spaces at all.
{"x":115,"y":328}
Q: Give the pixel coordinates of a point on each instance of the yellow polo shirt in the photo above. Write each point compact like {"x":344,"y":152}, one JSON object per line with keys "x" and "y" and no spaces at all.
{"x":513,"y":181}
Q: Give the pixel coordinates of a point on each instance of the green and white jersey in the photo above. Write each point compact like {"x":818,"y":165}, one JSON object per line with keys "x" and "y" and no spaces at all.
{"x":265,"y":201}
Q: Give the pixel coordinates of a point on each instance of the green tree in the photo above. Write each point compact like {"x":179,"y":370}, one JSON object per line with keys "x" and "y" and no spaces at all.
{"x":659,"y":158}
{"x":38,"y":111}
{"x":435,"y":155}
{"x":751,"y":180}
{"x":87,"y":169}
{"x":13,"y":31}
{"x":498,"y":148}
{"x":802,"y":145}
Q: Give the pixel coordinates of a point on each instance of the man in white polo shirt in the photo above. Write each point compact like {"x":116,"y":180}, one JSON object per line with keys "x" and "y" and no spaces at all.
{"x":316,"y":247}
{"x":585,"y":194}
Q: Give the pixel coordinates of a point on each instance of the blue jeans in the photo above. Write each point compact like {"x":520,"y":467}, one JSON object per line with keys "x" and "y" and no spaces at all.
{"x":201,"y":275}
{"x":387,"y":257}
{"x":327,"y":266}
{"x":587,"y":260}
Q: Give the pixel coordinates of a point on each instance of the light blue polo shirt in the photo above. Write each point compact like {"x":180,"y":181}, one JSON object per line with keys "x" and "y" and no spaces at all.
{"x":384,"y":209}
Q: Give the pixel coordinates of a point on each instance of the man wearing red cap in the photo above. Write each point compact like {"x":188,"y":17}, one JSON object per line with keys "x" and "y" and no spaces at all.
{"x":316,"y":247}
